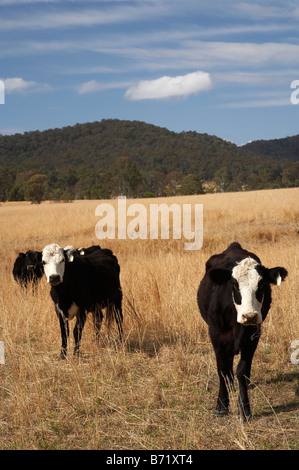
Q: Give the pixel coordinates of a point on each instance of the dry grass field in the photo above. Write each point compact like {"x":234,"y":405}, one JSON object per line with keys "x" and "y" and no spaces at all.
{"x":158,"y":390}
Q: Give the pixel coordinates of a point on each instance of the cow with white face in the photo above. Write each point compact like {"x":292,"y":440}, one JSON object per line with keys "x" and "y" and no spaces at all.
{"x":53,"y":259}
{"x":82,"y":284}
{"x":247,"y":294}
{"x":234,"y":298}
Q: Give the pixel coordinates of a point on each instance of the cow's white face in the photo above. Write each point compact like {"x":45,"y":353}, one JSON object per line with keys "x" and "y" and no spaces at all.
{"x":247,"y":292}
{"x":54,"y":263}
{"x":248,"y":283}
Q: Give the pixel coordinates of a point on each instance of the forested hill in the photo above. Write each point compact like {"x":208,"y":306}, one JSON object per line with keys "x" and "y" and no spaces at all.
{"x":278,"y":148}
{"x":112,"y":157}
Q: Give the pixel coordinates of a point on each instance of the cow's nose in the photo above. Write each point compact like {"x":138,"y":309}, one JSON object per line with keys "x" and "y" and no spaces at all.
{"x":249,"y":319}
{"x":54,"y":279}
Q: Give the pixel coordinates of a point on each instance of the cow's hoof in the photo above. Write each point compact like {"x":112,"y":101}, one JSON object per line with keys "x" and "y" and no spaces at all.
{"x":220,"y":413}
{"x":245,"y":418}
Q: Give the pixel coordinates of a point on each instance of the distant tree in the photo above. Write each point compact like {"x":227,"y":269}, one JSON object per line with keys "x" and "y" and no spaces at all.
{"x":127,"y":177}
{"x":35,"y":188}
{"x":191,"y":184}
{"x":159,"y":183}
{"x":16,"y":193}
{"x":71,"y":177}
{"x":264,"y":177}
{"x":252,"y":181}
{"x":67,"y":196}
{"x":23,"y":176}
{"x":222,"y":179}
{"x":238,"y":183}
{"x":173,"y":180}
{"x":148,"y":194}
{"x":55,"y":194}
{"x":290,"y":175}
{"x":260,"y":180}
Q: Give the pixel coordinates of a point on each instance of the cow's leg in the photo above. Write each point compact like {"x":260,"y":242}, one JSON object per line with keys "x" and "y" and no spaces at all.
{"x":226,"y":378}
{"x":243,"y":374}
{"x":224,"y":357}
{"x":80,"y":322}
{"x":97,"y":316}
{"x":64,"y":329}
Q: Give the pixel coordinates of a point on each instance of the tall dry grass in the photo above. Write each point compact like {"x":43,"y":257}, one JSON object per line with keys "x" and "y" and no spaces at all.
{"x":158,"y":390}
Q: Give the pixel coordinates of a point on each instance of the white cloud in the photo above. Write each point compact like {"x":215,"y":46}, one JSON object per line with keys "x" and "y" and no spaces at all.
{"x":124,"y":11}
{"x":237,"y":53}
{"x":189,"y":53}
{"x":17,"y":2}
{"x":17,"y":84}
{"x":268,"y":79}
{"x":260,"y":103}
{"x":83,"y":17}
{"x":93,"y":86}
{"x":169,"y":87}
{"x":257,"y":11}
{"x":89,"y":87}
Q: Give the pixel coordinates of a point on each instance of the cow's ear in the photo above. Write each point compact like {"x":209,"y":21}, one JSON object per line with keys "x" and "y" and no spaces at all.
{"x":69,"y":254}
{"x":276,"y":275}
{"x":220,"y":276}
{"x":22,"y":255}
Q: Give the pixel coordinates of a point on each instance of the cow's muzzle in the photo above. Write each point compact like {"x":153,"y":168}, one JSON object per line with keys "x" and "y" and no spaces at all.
{"x":250,"y":319}
{"x":54,"y":279}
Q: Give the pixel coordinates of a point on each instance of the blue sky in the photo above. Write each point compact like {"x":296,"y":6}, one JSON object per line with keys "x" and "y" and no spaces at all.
{"x":224,"y":67}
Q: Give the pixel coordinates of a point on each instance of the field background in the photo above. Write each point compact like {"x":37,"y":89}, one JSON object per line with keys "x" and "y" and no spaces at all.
{"x":157,"y":391}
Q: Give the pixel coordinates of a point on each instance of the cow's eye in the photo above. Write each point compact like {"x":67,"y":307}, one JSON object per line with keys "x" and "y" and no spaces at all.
{"x":236,"y":291}
{"x":259,"y":292}
{"x":43,"y":262}
{"x":237,"y":296}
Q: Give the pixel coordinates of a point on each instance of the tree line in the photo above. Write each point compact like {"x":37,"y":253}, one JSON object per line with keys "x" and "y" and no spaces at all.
{"x":109,"y":158}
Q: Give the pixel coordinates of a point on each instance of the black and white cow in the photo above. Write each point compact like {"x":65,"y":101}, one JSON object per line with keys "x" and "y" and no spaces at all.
{"x":28,"y":268}
{"x":83,"y":251}
{"x":89,"y":250}
{"x":82,"y":284}
{"x":234,"y":298}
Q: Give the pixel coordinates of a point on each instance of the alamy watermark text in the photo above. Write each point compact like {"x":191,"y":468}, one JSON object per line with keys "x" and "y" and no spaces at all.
{"x":295,"y":94}
{"x":2,"y":92}
{"x":153,"y":222}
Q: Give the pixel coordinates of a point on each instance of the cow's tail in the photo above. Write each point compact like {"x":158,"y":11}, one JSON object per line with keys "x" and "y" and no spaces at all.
{"x":109,"y":315}
{"x":114,"y":312}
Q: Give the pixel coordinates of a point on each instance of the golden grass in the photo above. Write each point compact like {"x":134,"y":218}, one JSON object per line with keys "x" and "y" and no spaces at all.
{"x":158,"y":390}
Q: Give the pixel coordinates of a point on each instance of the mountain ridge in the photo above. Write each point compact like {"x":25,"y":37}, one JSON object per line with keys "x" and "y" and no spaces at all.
{"x":77,"y":161}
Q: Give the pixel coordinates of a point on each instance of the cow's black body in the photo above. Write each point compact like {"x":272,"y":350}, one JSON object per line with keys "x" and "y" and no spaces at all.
{"x":92,"y":283}
{"x":28,"y":268}
{"x":88,"y":251}
{"x":215,"y":301}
